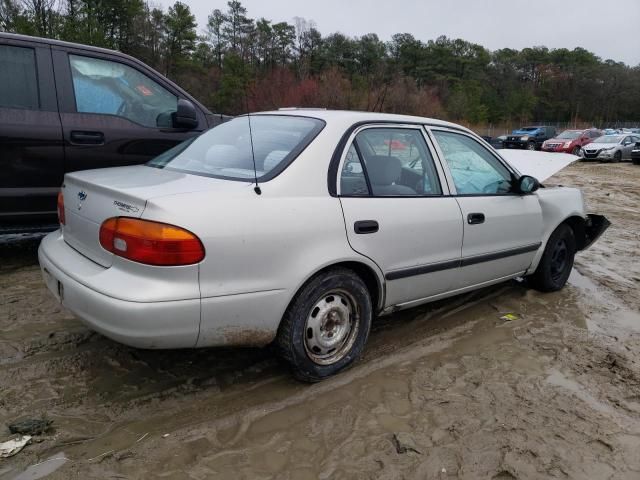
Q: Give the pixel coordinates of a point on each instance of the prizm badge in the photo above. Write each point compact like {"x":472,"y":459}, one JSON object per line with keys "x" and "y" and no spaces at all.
{"x":125,"y":207}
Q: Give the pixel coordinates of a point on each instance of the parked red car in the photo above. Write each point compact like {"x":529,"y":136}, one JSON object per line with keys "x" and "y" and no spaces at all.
{"x":571,"y":141}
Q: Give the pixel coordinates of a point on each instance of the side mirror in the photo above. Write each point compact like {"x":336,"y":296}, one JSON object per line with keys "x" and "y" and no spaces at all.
{"x":185,"y":115}
{"x":527,"y":184}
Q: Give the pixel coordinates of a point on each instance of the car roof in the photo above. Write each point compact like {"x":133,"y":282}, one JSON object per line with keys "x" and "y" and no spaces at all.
{"x":60,"y":43}
{"x":351,"y":117}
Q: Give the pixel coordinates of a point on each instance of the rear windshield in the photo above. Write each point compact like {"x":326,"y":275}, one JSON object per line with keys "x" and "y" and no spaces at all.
{"x":569,"y":134}
{"x":226,"y":150}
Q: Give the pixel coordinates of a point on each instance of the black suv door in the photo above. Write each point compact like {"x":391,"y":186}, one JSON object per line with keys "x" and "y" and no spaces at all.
{"x":31,"y":151}
{"x":114,"y":111}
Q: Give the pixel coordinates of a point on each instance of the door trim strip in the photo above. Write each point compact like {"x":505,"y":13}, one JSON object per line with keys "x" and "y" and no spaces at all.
{"x":464,"y":262}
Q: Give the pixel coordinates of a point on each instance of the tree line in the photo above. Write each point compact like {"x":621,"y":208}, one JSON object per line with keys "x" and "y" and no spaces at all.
{"x":237,"y":63}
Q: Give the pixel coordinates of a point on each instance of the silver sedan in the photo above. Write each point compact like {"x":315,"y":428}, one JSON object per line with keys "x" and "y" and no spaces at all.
{"x":611,"y":148}
{"x":299,"y":227}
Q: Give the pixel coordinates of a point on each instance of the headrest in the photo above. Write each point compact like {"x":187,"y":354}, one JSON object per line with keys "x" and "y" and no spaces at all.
{"x":383,"y":170}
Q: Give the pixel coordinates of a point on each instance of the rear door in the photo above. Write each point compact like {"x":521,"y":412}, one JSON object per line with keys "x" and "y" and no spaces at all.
{"x":397,"y":211}
{"x":31,"y":151}
{"x":502,"y":230}
{"x":114,"y":111}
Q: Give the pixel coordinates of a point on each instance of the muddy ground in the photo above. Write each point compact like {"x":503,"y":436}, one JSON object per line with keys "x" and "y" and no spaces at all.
{"x":448,"y":390}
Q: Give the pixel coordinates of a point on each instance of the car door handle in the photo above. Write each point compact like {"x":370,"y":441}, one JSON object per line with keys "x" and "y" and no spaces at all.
{"x":366,"y":226}
{"x":475,"y":218}
{"x":87,"y":138}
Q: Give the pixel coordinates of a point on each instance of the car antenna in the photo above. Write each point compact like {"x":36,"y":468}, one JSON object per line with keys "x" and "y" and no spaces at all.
{"x":253,"y":154}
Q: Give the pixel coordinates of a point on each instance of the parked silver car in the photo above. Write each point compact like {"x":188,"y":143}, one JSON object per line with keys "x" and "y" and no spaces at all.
{"x":611,"y":148}
{"x":301,"y":227}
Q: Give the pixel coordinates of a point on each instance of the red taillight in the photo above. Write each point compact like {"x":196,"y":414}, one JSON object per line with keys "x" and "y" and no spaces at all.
{"x":61,"y":217}
{"x":150,"y":242}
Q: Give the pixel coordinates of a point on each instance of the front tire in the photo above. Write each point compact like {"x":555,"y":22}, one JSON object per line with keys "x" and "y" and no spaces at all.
{"x":616,"y":157}
{"x":326,"y":326}
{"x":531,"y":146}
{"x":556,"y":262}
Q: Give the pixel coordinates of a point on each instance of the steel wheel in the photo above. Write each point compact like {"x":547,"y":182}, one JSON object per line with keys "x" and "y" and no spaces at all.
{"x":331,"y":327}
{"x":559,"y":258}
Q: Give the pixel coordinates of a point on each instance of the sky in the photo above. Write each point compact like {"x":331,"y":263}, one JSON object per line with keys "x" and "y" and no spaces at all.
{"x":607,"y":28}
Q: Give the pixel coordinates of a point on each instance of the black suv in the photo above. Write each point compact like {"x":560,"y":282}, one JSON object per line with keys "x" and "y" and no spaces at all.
{"x":530,"y":138}
{"x":66,"y":107}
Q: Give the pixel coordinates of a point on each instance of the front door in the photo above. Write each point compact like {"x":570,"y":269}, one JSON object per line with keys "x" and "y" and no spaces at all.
{"x":397,"y":211}
{"x":112,"y":113}
{"x":502,"y":229}
{"x":31,"y":151}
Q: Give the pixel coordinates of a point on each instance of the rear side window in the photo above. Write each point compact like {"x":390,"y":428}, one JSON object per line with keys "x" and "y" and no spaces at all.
{"x":353,"y":181}
{"x":18,"y":78}
{"x":228,"y":150}
{"x":112,"y":88}
{"x":397,"y":162}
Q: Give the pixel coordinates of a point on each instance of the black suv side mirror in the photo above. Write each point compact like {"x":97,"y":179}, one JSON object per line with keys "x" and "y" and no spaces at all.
{"x":185,"y":115}
{"x":527,"y":184}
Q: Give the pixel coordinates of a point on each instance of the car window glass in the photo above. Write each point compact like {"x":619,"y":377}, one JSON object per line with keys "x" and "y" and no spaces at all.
{"x":473,"y":168}
{"x":398,"y":162}
{"x":18,"y":79}
{"x":352,"y":178}
{"x":112,"y":88}
{"x":233,"y":151}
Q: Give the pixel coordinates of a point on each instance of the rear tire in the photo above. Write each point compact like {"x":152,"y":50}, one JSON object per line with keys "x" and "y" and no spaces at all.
{"x":326,"y":326}
{"x":575,"y":151}
{"x":635,"y":161}
{"x":556,"y":262}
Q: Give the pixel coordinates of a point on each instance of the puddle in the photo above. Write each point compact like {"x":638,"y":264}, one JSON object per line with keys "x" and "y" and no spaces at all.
{"x":44,"y":468}
{"x":557,"y":378}
{"x":604,"y":309}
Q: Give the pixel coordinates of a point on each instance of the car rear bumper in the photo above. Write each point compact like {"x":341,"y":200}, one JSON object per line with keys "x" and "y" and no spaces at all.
{"x":158,"y":324}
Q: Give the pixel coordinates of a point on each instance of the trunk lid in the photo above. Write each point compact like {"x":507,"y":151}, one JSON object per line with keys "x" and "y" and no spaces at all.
{"x":92,"y":196}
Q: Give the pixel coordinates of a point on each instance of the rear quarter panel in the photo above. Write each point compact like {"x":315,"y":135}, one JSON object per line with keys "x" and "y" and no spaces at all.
{"x":260,"y":249}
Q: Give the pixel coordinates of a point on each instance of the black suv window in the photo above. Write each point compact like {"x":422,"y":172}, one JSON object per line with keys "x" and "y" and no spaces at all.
{"x":112,"y":88}
{"x":18,"y":79}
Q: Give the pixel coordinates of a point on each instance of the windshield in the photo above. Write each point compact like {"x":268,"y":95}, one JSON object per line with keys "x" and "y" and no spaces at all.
{"x":528,"y":129}
{"x":608,"y":139}
{"x":569,"y":135}
{"x":226,"y":150}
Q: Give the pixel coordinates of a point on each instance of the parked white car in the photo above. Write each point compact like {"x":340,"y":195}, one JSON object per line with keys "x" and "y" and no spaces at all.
{"x":353,"y":215}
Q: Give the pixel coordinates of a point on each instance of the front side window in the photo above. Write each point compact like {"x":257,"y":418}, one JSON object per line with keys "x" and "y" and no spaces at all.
{"x":474,"y":169}
{"x":229,"y":150}
{"x":112,"y":88}
{"x":18,"y":79}
{"x":397,"y":162}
